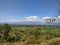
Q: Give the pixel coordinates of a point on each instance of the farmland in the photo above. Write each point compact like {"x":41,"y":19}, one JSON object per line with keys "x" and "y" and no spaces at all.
{"x":31,"y":35}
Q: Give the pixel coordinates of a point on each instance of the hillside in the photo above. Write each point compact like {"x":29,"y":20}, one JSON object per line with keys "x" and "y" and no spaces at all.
{"x":32,"y":35}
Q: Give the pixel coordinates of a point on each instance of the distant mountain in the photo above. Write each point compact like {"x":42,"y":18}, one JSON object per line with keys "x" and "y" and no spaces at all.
{"x":26,"y":23}
{"x":30,"y":23}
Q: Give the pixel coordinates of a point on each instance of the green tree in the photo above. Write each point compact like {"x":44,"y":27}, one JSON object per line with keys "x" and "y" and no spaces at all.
{"x":6,"y":28}
{"x":53,"y":21}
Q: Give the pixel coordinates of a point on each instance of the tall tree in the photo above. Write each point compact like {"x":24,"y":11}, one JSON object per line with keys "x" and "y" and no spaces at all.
{"x":6,"y":27}
{"x":53,"y":21}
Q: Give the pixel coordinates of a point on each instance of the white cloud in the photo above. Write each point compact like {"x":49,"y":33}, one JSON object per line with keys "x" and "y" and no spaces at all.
{"x":10,"y":20}
{"x":58,"y":17}
{"x":32,"y":18}
{"x":15,"y":20}
{"x":2,"y":20}
{"x":46,"y":18}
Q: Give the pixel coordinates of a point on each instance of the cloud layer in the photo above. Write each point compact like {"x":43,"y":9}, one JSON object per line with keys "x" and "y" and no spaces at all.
{"x":32,"y":19}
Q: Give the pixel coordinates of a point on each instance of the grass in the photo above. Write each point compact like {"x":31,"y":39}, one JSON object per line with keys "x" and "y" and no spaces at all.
{"x":41,"y":35}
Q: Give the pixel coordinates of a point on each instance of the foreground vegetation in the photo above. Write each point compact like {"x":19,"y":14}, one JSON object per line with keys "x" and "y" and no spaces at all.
{"x":29,"y":35}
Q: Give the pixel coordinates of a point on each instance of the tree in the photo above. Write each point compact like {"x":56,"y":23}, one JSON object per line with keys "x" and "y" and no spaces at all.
{"x":6,"y":28}
{"x":53,"y":21}
{"x":50,"y":20}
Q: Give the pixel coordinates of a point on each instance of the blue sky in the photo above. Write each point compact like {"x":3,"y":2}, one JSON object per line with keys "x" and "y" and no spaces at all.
{"x":20,"y":9}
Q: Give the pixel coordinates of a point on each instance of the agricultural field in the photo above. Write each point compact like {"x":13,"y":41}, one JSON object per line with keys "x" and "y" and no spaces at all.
{"x":29,"y":35}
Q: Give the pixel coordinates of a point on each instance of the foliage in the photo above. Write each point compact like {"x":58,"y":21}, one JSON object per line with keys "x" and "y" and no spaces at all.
{"x":28,"y":35}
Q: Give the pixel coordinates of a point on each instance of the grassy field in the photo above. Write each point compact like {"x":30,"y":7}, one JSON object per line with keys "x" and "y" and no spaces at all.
{"x":33,"y":35}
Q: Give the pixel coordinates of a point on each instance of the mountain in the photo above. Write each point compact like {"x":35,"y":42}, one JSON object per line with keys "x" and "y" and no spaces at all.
{"x":26,"y":23}
{"x":30,"y":23}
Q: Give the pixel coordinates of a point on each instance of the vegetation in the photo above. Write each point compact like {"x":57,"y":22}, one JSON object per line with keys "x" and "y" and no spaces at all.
{"x":29,"y":35}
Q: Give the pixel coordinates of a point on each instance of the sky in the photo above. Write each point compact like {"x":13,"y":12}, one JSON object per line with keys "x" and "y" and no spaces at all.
{"x":30,"y":10}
